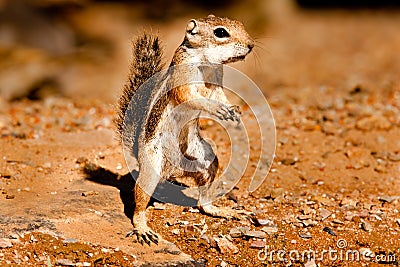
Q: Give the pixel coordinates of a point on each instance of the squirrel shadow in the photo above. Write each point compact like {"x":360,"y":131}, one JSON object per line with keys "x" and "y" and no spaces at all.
{"x":165,"y":192}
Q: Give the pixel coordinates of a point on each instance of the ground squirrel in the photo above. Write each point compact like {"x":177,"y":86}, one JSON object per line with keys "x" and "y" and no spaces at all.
{"x":144,"y":119}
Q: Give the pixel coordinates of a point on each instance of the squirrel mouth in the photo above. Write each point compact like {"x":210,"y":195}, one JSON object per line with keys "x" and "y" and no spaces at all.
{"x":234,"y":59}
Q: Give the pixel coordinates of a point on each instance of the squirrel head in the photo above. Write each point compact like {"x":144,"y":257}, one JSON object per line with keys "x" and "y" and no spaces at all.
{"x":218,"y":40}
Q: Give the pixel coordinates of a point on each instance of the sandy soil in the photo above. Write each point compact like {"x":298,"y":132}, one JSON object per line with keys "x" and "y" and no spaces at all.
{"x":331,"y":79}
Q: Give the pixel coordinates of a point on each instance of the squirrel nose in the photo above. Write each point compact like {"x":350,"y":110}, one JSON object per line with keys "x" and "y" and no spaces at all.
{"x":250,"y":46}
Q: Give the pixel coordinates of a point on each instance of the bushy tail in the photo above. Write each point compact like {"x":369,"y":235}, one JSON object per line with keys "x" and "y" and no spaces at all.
{"x":146,"y":61}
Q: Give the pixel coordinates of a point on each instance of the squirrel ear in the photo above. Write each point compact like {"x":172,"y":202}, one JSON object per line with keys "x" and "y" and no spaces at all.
{"x":192,"y":27}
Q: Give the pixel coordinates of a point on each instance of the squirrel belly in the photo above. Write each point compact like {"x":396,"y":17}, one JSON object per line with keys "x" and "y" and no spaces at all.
{"x":159,"y":109}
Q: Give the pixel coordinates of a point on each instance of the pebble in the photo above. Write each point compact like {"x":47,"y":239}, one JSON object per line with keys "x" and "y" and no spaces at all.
{"x":305,"y":235}
{"x":47,"y":165}
{"x":394,"y":157}
{"x":5,"y":243}
{"x":70,"y":241}
{"x":265,"y":222}
{"x":89,"y":193}
{"x":270,"y":229}
{"x":373,"y":122}
{"x":64,"y":262}
{"x":349,"y":216}
{"x":366,"y":226}
{"x":364,"y":214}
{"x":288,"y":161}
{"x":225,"y":246}
{"x":329,"y":231}
{"x":258,"y":244}
{"x":33,"y":239}
{"x":276,"y":194}
{"x":176,"y":231}
{"x":159,"y":206}
{"x":380,"y":169}
{"x":337,"y":221}
{"x":256,"y":234}
{"x":324,"y":213}
{"x":238,"y":231}
{"x":398,"y":221}
{"x":388,"y":199}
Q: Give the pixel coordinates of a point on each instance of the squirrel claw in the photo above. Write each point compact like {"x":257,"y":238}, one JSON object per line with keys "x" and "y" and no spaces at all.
{"x":144,"y":236}
{"x":228,"y":113}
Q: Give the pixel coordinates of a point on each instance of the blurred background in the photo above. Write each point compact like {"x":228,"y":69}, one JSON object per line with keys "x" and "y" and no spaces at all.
{"x":81,"y":48}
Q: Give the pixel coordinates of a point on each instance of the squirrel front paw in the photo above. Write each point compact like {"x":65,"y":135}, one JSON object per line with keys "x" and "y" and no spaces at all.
{"x":225,"y":112}
{"x":144,"y":235}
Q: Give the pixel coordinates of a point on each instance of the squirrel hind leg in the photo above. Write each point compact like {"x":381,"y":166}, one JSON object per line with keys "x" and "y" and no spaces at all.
{"x":206,"y":196}
{"x":146,"y":183}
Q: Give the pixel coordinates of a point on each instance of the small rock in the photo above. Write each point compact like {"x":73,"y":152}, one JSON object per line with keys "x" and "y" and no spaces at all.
{"x":270,"y":229}
{"x":277,"y":193}
{"x":64,"y":262}
{"x":256,"y":234}
{"x":304,"y":217}
{"x":307,"y":210}
{"x":265,"y":222}
{"x":89,"y":193}
{"x":159,"y":206}
{"x":47,"y":165}
{"x":225,"y":246}
{"x":70,"y":241}
{"x":394,"y":157}
{"x":176,"y":231}
{"x":398,"y":221}
{"x":337,"y":221}
{"x":238,"y":231}
{"x":224,"y":264}
{"x":305,"y":235}
{"x":81,"y":160}
{"x":388,"y":199}
{"x":349,"y":216}
{"x":373,"y":122}
{"x":258,"y":244}
{"x":5,"y":243}
{"x":348,"y":202}
{"x":10,"y":196}
{"x":310,"y":263}
{"x":380,"y":169}
{"x":309,"y":222}
{"x":329,"y":231}
{"x":366,"y":226}
{"x":364,"y":214}
{"x":288,"y":161}
{"x":324,"y":213}
{"x":235,"y":232}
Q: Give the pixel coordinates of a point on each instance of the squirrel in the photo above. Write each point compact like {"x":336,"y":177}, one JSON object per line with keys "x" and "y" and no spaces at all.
{"x":150,"y":130}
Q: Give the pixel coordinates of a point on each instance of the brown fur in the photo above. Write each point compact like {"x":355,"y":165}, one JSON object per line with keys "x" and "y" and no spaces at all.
{"x":146,"y":61}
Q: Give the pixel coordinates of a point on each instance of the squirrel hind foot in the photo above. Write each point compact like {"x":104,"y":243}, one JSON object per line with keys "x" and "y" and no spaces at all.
{"x":144,"y":235}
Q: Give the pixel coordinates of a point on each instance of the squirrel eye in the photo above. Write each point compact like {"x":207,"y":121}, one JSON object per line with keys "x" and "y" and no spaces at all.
{"x":221,"y":33}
